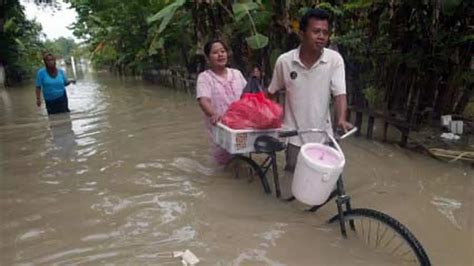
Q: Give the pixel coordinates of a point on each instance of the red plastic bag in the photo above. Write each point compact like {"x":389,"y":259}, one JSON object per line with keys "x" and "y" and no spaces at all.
{"x":253,"y":111}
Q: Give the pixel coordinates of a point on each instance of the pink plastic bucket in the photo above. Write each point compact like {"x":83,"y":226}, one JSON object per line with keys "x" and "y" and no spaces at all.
{"x":317,"y":169}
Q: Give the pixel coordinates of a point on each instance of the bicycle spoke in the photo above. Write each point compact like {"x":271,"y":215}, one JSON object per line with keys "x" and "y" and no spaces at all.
{"x":405,"y":253}
{"x":382,"y":237}
{"x":377,"y":236}
{"x":409,"y":252}
{"x":368,"y":235}
{"x":394,"y":251}
{"x":391,"y":239}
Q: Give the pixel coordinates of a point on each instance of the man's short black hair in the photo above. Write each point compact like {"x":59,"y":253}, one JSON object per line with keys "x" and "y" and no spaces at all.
{"x":315,"y":13}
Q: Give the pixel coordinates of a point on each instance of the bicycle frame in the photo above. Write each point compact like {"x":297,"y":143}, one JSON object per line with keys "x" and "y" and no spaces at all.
{"x":271,"y":162}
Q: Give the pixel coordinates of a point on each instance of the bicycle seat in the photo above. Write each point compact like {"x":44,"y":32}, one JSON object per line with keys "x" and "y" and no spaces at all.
{"x":268,"y":144}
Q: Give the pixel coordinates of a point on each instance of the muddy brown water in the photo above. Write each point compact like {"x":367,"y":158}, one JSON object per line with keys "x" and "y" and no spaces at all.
{"x":125,"y":178}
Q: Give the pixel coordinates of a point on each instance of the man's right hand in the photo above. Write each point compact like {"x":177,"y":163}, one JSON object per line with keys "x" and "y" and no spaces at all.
{"x":38,"y":102}
{"x":344,"y":126}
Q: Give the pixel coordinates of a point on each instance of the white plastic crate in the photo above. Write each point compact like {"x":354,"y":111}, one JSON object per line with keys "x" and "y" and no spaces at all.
{"x":237,"y":141}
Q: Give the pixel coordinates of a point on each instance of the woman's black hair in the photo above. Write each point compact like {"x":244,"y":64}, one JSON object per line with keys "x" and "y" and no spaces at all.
{"x":314,"y":13}
{"x":208,"y":46}
{"x":47,"y":54}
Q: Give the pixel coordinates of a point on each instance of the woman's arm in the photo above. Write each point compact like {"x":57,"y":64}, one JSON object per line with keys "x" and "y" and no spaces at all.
{"x":67,"y":81}
{"x":39,"y":81}
{"x":206,"y":106}
{"x":203,"y":95}
{"x":38,"y":96}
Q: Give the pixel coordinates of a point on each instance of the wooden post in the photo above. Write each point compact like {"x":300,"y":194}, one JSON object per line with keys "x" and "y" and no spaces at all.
{"x":370,"y":127}
{"x":358,"y":122}
{"x":385,"y":129}
{"x":404,"y":140}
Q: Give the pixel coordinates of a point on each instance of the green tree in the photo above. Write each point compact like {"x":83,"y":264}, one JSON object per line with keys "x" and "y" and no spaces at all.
{"x":116,"y":32}
{"x":20,"y":48}
{"x":408,"y":58}
{"x":61,"y":47}
{"x":415,"y":55}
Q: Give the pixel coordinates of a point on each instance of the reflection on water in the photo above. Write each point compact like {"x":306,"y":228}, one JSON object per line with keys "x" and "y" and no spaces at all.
{"x":63,"y":136}
{"x":125,"y":179}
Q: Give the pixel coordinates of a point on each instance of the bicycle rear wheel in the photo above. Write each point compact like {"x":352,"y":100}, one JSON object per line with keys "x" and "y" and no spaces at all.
{"x":384,"y":234}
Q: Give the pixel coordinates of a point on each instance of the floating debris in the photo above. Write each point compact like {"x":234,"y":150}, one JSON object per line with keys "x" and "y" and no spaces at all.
{"x":187,"y":257}
{"x":447,"y":207}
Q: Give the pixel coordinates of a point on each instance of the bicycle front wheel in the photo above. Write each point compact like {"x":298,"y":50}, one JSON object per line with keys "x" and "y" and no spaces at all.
{"x":384,"y":234}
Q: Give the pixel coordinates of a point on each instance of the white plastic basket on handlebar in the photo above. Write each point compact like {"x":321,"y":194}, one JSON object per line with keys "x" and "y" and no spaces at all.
{"x":237,"y":141}
{"x":317,"y":170}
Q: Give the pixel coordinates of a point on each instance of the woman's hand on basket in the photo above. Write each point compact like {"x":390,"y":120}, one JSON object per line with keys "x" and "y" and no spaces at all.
{"x":215,"y":119}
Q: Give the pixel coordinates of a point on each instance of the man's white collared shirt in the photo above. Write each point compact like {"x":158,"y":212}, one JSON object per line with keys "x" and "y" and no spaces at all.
{"x":308,"y":91}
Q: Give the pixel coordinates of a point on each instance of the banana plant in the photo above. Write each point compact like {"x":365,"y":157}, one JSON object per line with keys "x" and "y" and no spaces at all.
{"x":164,"y":16}
{"x":241,"y":10}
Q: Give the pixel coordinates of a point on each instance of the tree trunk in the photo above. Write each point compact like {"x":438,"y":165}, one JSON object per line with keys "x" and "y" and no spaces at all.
{"x":464,"y":101}
{"x":186,"y":60}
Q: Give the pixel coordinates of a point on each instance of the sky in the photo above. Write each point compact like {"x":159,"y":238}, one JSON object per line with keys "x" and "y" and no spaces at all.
{"x":54,"y":23}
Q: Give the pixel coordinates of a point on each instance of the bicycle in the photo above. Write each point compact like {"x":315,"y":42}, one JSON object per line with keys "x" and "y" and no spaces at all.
{"x":390,"y":235}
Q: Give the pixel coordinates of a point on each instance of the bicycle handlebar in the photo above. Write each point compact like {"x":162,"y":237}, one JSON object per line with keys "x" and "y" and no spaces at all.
{"x":286,"y":134}
{"x":293,"y":132}
{"x":348,"y":133}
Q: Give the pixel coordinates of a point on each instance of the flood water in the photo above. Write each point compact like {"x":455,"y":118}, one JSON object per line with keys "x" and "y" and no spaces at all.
{"x":126,"y":179}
